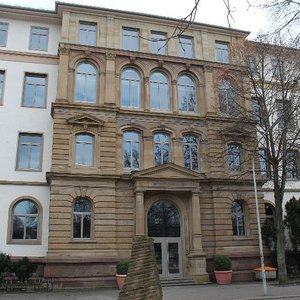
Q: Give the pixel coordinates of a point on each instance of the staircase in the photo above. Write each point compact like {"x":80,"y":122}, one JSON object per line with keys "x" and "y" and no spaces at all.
{"x":186,"y":281}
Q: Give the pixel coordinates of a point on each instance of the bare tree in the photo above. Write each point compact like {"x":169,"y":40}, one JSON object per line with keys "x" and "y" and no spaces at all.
{"x":274,"y":93}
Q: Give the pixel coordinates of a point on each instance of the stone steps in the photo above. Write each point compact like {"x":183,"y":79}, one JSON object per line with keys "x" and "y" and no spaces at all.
{"x":186,"y":281}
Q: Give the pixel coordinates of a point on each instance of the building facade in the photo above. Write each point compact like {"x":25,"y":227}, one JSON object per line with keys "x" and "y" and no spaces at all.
{"x":143,"y":138}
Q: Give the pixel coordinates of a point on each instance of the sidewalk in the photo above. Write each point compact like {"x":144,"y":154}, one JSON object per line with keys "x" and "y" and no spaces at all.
{"x":235,"y":291}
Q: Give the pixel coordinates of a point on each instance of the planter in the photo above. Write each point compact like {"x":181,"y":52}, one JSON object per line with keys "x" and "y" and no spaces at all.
{"x":223,"y":277}
{"x":271,"y":273}
{"x":120,"y":280}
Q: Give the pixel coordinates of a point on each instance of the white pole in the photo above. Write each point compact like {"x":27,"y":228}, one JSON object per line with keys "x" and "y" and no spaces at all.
{"x":261,"y":253}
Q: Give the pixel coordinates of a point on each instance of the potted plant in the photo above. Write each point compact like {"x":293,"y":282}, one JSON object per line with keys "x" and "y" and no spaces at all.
{"x":122,"y":269}
{"x":223,"y":272}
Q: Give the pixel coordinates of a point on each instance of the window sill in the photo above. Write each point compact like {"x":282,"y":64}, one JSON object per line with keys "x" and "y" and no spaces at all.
{"x":24,"y":242}
{"x":83,"y":241}
{"x":242,"y":238}
{"x":29,"y":170}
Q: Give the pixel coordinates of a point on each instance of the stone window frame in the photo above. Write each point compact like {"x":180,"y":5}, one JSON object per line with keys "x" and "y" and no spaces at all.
{"x":92,"y":230}
{"x":38,"y":240}
{"x":45,"y":88}
{"x":219,"y":51}
{"x":39,"y":34}
{"x":87,"y":31}
{"x":39,"y":169}
{"x":243,"y":205}
{"x":93,"y":149}
{"x":4,"y":31}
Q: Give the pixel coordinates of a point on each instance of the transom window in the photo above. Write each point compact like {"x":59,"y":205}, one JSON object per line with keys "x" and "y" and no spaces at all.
{"x":2,"y":76}
{"x":227,"y":98}
{"x":131,"y":88}
{"x":29,"y":152}
{"x":34,"y":94}
{"x":131,"y":39}
{"x":82,"y":219}
{"x":186,"y":94}
{"x":25,"y":220}
{"x":87,"y":33}
{"x":131,"y":150}
{"x":190,"y":152}
{"x":161,"y":148}
{"x":86,"y":83}
{"x":158,"y":43}
{"x":3,"y":34}
{"x":185,"y":47}
{"x":84,"y":153}
{"x":222,"y":52}
{"x":238,"y":219}
{"x":159,"y":91}
{"x":39,"y":38}
{"x":234,"y":158}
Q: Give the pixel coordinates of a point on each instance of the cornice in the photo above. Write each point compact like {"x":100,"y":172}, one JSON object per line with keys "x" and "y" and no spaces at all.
{"x":18,"y":182}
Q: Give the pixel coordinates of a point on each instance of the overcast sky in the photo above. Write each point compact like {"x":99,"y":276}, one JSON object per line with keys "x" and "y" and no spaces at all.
{"x":209,"y":11}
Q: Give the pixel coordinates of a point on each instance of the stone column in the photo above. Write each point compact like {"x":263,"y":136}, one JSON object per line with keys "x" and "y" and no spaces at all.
{"x":139,"y":214}
{"x":196,"y":224}
{"x":174,"y":100}
{"x":110,"y":80}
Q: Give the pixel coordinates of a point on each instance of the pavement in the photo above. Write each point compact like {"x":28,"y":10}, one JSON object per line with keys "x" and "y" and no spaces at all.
{"x":234,"y":291}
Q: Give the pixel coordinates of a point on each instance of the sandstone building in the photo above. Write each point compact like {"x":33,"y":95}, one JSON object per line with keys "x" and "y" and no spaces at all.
{"x":146,"y":141}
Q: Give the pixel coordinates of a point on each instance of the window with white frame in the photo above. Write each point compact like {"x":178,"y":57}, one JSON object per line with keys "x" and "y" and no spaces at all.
{"x":159,"y":91}
{"x":130,"y":88}
{"x":292,"y":164}
{"x":39,"y":38}
{"x":227,"y":98}
{"x":238,"y":219}
{"x":87,"y":33}
{"x":191,"y":152}
{"x":82,"y":219}
{"x":263,"y":163}
{"x":161,"y":148}
{"x":3,"y":34}
{"x":34,"y":94}
{"x":234,"y":158}
{"x":84,"y":150}
{"x":25,"y":220}
{"x":131,"y":150}
{"x":222,"y":52}
{"x":2,"y":77}
{"x":86,"y":83}
{"x":185,"y":47}
{"x":130,"y":39}
{"x":29,"y":152}
{"x":186,"y":94}
{"x":158,"y":43}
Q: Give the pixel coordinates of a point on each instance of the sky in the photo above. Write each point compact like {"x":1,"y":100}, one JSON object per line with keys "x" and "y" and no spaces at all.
{"x":209,"y":11}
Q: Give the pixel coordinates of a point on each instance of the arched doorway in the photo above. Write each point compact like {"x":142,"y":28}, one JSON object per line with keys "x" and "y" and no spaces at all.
{"x":163,"y":222}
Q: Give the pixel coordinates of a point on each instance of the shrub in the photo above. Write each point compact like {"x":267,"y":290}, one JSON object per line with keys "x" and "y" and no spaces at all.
{"x":5,"y":265}
{"x":23,"y":269}
{"x":222,"y":263}
{"x":122,"y":267}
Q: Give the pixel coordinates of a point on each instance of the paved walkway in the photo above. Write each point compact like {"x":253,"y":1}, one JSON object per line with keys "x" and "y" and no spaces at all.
{"x":236,"y":291}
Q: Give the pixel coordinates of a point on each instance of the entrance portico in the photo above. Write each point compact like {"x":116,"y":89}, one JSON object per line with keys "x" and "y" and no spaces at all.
{"x":170,"y":185}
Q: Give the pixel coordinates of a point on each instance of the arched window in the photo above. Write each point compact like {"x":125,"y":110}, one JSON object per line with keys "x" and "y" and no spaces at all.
{"x":186,"y":94}
{"x":84,"y":152}
{"x":270,"y":211}
{"x":85,"y":85}
{"x":238,"y":219}
{"x":130,"y":88}
{"x":25,"y":220}
{"x":190,"y":152}
{"x":159,"y":91}
{"x":227,"y":98}
{"x":161,"y":148}
{"x":131,"y":150}
{"x":234,"y":158}
{"x":82,"y":219}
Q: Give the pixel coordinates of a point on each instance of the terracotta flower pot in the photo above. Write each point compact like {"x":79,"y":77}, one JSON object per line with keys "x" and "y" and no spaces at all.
{"x":121,"y":280}
{"x":223,"y":277}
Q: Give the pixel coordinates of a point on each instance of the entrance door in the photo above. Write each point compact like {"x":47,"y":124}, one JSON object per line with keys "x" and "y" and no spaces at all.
{"x":164,"y":227}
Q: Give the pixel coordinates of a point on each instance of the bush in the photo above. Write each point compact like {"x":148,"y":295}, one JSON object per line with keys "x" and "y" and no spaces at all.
{"x":222,"y":263}
{"x":122,"y":267}
{"x":5,"y":265}
{"x":23,"y":269}
{"x":269,"y":234}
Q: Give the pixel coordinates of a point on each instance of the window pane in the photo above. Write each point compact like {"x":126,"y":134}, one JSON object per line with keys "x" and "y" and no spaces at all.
{"x":131,"y":150}
{"x":159,"y":91}
{"x":161,"y":149}
{"x":234,"y":160}
{"x":3,"y":34}
{"x":186,"y":94}
{"x":222,"y":52}
{"x":158,"y":43}
{"x":76,"y":226}
{"x":238,"y":222}
{"x":131,"y":39}
{"x":84,"y":154}
{"x":87,"y":34}
{"x":82,"y":205}
{"x":185,"y":47}
{"x":2,"y":74}
{"x":39,"y":38}
{"x":26,"y":207}
{"x":227,"y":98}
{"x":130,"y":86}
{"x":190,"y":152}
{"x":34,"y":90}
{"x":31,"y":228}
{"x":18,"y":227}
{"x":86,"y":227}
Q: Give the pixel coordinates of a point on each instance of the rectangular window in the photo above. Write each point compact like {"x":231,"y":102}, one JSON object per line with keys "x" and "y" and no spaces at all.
{"x":3,"y":34}
{"x":276,"y":66}
{"x":222,"y":52}
{"x":158,"y":43}
{"x":2,"y":76}
{"x":130,"y":39}
{"x":29,"y":152}
{"x":39,"y":38}
{"x":234,"y":158}
{"x":34,"y":94}
{"x":185,"y":47}
{"x":263,"y":164}
{"x":256,"y":109}
{"x":87,"y":34}
{"x":292,"y":164}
